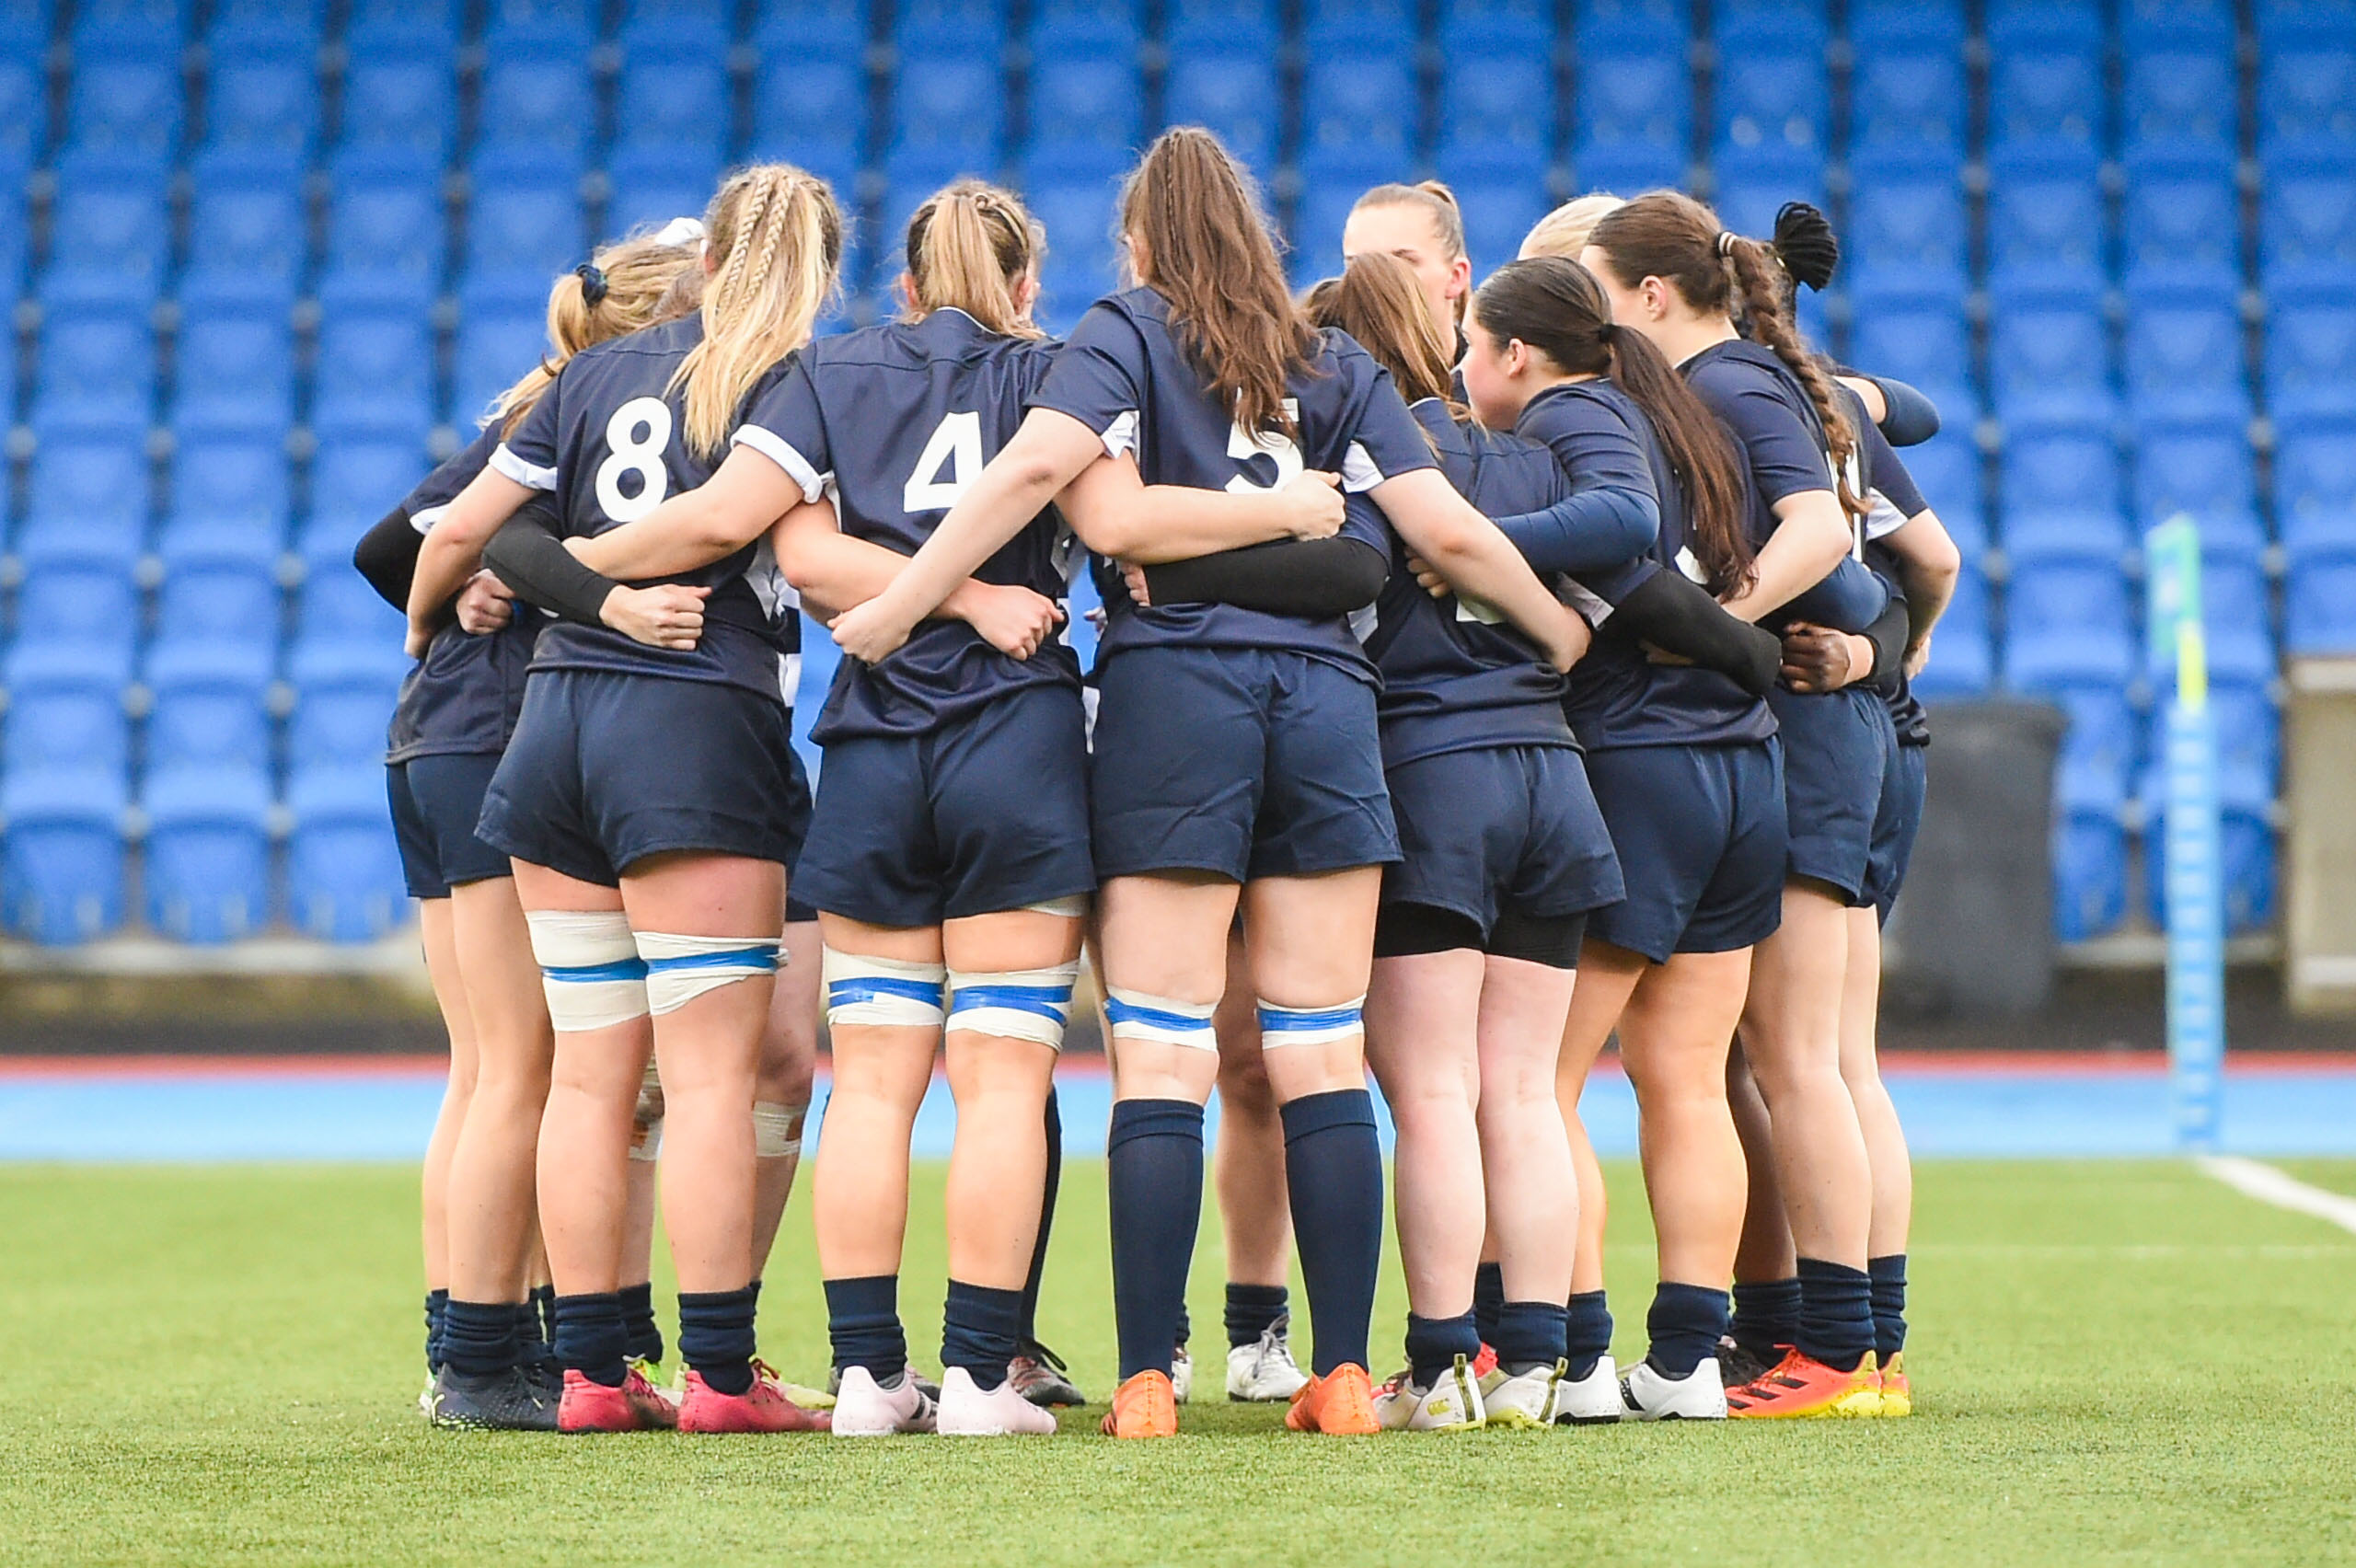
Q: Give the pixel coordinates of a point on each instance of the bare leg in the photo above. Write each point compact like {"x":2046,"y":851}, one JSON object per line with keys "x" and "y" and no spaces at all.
{"x":1531,"y":1184}
{"x":1765,"y":1252}
{"x":860,"y":1186}
{"x":1423,"y":1038}
{"x":1249,"y":1163}
{"x":1893,"y":1170}
{"x":1607,"y":977}
{"x":492,"y":1206}
{"x":1673,"y":1037}
{"x":789,"y":1058}
{"x":450,"y":996}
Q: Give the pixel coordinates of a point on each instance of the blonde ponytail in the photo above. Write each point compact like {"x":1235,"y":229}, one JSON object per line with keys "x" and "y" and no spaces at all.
{"x":970,"y":246}
{"x":640,"y":283}
{"x":775,"y":239}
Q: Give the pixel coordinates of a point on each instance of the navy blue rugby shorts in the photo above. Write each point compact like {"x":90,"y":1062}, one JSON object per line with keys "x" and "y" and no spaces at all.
{"x":1497,"y":829}
{"x":1243,"y":762}
{"x":984,"y":814}
{"x":1836,"y":748}
{"x":1896,"y":820}
{"x":606,"y":769}
{"x":435,"y":803}
{"x":1701,"y":835}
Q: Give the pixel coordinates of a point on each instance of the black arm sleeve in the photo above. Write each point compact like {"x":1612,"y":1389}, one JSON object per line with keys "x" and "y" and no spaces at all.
{"x":530,"y":558}
{"x":1312,"y":578}
{"x":1676,"y":615}
{"x":387,"y":557}
{"x":1912,"y":419}
{"x":1888,"y":634}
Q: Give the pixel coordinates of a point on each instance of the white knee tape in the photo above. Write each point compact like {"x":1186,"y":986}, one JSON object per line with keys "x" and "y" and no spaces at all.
{"x":1068,"y":908}
{"x":1309,"y":1026}
{"x":1015,"y":1004}
{"x":884,"y":991}
{"x":589,"y":968}
{"x":777,"y":1129}
{"x":679,"y":969}
{"x":1137,"y":1016}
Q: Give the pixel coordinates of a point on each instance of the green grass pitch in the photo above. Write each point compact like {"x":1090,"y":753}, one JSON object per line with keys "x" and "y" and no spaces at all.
{"x":2114,"y":1363}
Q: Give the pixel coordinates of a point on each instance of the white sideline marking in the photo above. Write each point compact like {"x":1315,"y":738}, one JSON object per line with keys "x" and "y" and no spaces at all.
{"x":2268,"y":1185}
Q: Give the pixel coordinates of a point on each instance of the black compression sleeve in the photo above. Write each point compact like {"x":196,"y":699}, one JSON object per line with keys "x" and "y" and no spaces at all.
{"x":1888,"y":635}
{"x":1676,"y":615}
{"x":387,"y":557}
{"x":1312,"y":578}
{"x":530,"y":558}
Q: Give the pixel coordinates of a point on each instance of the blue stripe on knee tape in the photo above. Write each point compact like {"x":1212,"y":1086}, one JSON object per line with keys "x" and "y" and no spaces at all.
{"x":891,"y":993}
{"x":594,"y":973}
{"x":1309,"y":1026}
{"x":681,"y":968}
{"x":1136,"y":1016}
{"x":590,"y":970}
{"x":1022,"y":1004}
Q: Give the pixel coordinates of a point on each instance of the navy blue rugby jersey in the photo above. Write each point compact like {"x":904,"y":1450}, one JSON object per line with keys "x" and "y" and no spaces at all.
{"x":1617,"y":695}
{"x":462,"y":699}
{"x":609,"y":437}
{"x":1895,"y":499}
{"x":1453,"y":679}
{"x":1598,"y":438}
{"x":1123,"y":374}
{"x":894,"y":421}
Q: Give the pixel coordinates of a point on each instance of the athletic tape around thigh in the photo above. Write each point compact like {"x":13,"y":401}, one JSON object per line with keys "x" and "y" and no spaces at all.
{"x":886,"y":992}
{"x":1309,"y":1026}
{"x":1137,"y":1016}
{"x":1015,"y":1004}
{"x":777,"y":1129}
{"x":679,"y":969}
{"x":589,"y":968}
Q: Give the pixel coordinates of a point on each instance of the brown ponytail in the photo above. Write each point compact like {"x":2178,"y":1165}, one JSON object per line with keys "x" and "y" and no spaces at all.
{"x":1375,"y":301}
{"x":1671,"y":236}
{"x":1555,"y":307}
{"x":1209,"y":251}
{"x":969,"y":247}
{"x":642,"y":284}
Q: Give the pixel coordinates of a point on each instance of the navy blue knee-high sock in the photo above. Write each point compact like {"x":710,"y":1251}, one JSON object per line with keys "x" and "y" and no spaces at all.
{"x":1587,"y":1332}
{"x":1434,"y":1344}
{"x":1529,"y":1334}
{"x":1333,"y":1174}
{"x":1252,"y":1310}
{"x":1684,"y":1325}
{"x":1836,"y":1323}
{"x":716,"y":1336}
{"x":979,"y":1328}
{"x":1888,"y":1276}
{"x":863,"y":1321}
{"x":638,"y":1323}
{"x":1488,"y":1300}
{"x":589,"y":1337}
{"x":1028,"y":1332}
{"x":1766,"y":1316}
{"x":437,"y":1302}
{"x":478,"y":1337}
{"x":1154,"y":1176}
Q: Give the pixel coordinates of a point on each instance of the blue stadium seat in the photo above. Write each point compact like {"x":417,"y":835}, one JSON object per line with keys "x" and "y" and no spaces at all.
{"x":216,"y":624}
{"x":2183,"y":90}
{"x":502,"y":332}
{"x":536,"y":93}
{"x":2249,"y":741}
{"x":1497,"y":213}
{"x":2089,"y":871}
{"x":1751,"y":183}
{"x":1963,"y":654}
{"x":113,"y":205}
{"x":1220,"y":27}
{"x":649,"y":186}
{"x":2201,"y":466}
{"x":2151,"y":24}
{"x":2184,"y":358}
{"x":1358,"y":102}
{"x":2320,"y":592}
{"x":1495,"y":30}
{"x":2311,"y":352}
{"x":1234,"y":93}
{"x":974,"y":28}
{"x":343,"y":872}
{"x":1079,"y":216}
{"x":249,"y":226}
{"x":386,"y":217}
{"x":1087,"y":101}
{"x":342,"y":630}
{"x":203,"y":719}
{"x":812,"y":31}
{"x":2307,"y":222}
{"x":1330,"y":187}
{"x":87,"y":617}
{"x":126,"y":103}
{"x":375,"y":28}
{"x":811,"y":111}
{"x":2049,"y":356}
{"x":1640,"y":97}
{"x":1358,"y":26}
{"x":235,"y":367}
{"x":1947,"y":470}
{"x":66,"y":725}
{"x":60,"y":879}
{"x":23,"y":106}
{"x":230,"y":495}
{"x":1907,"y":92}
{"x":2101,"y":748}
{"x":2068,"y":617}
{"x":525,"y":221}
{"x":2315,"y":479}
{"x":950,"y":103}
{"x":403,"y":98}
{"x":375,"y":370}
{"x":1771,"y":94}
{"x":1921,"y":340}
{"x":353,"y":482}
{"x":263,"y":97}
{"x":119,"y":26}
{"x":89,"y":495}
{"x":1497,"y":106}
{"x":2182,"y":219}
{"x":674,"y":93}
{"x":1077,"y":30}
{"x":2306,"y":94}
{"x":2045,"y":218}
{"x":235,"y":27}
{"x":96,"y":363}
{"x":2066,"y":469}
{"x":338,"y":720}
{"x":2237,"y":613}
{"x":1908,"y":229}
{"x":2045,"y":78}
{"x":207,"y":852}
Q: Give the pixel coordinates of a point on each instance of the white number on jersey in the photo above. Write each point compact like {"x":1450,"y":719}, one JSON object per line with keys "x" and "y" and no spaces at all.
{"x":955,"y":447}
{"x":630,"y":451}
{"x":1244,"y":444}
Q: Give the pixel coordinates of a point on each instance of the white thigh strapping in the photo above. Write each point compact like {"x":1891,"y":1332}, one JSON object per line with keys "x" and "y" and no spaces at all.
{"x":589,"y":968}
{"x":679,"y":969}
{"x":888,"y":992}
{"x":1014,"y":1004}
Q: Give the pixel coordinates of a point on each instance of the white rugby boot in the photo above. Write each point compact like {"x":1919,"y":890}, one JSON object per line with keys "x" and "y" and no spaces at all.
{"x":1452,"y":1404}
{"x":1182,"y":1374}
{"x":1648,"y":1395}
{"x":1527,"y":1400}
{"x":866,"y":1408}
{"x":967,"y":1411}
{"x":1264,"y":1371}
{"x":1592,"y":1399}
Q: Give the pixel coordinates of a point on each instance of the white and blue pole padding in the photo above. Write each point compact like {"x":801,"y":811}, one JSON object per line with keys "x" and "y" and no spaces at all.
{"x":1163,"y":1020}
{"x":2191,"y":858}
{"x":1014,"y":1004}
{"x":1309,"y":1026}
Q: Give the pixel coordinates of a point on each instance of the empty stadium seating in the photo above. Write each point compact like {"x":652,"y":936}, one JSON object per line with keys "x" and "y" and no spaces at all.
{"x":271,"y":255}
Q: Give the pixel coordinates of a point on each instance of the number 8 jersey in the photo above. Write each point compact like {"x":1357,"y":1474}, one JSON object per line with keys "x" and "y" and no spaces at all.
{"x":609,"y":437}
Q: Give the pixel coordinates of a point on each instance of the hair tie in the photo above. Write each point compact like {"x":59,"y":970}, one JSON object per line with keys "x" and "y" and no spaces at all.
{"x":593,"y":282}
{"x":1726,"y":243}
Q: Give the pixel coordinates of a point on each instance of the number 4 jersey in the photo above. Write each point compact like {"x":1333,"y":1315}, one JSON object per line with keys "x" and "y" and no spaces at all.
{"x":893,"y":422}
{"x":1124,"y":375}
{"x":610,"y":439}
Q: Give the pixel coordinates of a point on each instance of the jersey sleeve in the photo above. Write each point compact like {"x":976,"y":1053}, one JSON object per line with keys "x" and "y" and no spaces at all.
{"x":529,"y":456}
{"x":1779,"y":447}
{"x":1385,"y":440}
{"x":1894,"y":493}
{"x":1099,"y":377}
{"x":784,"y":425}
